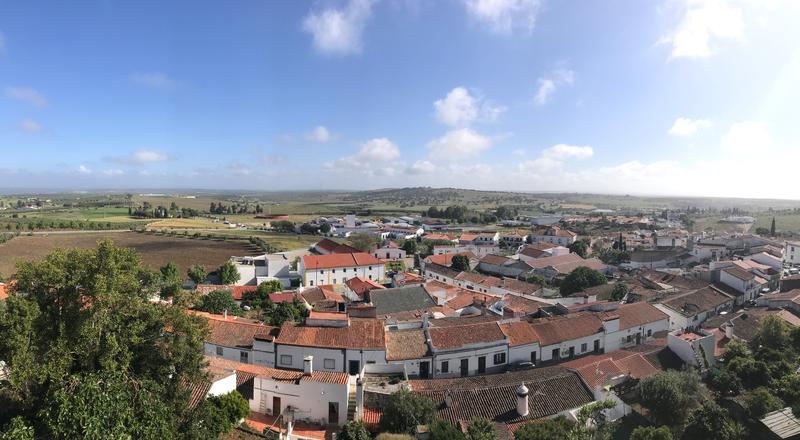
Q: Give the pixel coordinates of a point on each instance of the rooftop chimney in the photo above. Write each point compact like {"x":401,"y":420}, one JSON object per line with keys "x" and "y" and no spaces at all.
{"x":308,"y":368}
{"x":225,"y":314}
{"x":522,"y":400}
{"x":729,"y":331}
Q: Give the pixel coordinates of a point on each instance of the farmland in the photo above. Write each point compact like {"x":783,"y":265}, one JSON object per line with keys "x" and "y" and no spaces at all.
{"x":155,"y":250}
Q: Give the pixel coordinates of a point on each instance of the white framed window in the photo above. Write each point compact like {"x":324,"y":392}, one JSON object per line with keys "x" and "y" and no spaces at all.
{"x":220,"y":351}
{"x":286,"y":359}
{"x":499,"y":358}
{"x":244,"y":357}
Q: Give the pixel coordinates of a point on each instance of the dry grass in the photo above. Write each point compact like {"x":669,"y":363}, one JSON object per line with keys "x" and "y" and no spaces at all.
{"x":155,"y":250}
{"x":186,"y":223}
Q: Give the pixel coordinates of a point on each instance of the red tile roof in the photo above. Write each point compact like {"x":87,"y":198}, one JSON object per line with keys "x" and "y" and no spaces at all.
{"x":447,"y":259}
{"x":3,"y":291}
{"x":739,"y":273}
{"x":360,"y":334}
{"x":239,"y":291}
{"x":566,"y":327}
{"x":333,"y":247}
{"x":519,"y":333}
{"x":294,"y":376}
{"x":597,"y":369}
{"x":233,"y":332}
{"x":406,"y":344}
{"x":444,"y":338}
{"x":360,"y":285}
{"x":637,"y":314}
{"x":331,"y":261}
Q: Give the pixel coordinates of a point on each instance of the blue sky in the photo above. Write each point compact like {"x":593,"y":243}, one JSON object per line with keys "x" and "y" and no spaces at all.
{"x":682,"y":97}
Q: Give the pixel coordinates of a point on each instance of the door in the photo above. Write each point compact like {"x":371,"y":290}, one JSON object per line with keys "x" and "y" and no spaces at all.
{"x":333,"y":413}
{"x":276,"y":405}
{"x":638,"y":338}
{"x":424,"y":369}
{"x":533,"y":357}
{"x":354,"y":367}
{"x":572,"y":352}
{"x":597,"y":346}
{"x":481,"y":364}
{"x":464,"y":367}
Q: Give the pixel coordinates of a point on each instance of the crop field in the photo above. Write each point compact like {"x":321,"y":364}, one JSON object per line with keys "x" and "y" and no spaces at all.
{"x":156,"y":250}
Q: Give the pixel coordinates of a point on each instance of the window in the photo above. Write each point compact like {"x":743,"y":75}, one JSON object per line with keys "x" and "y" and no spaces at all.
{"x":445,"y":367}
{"x":628,"y":339}
{"x":219,"y":351}
{"x":243,"y":356}
{"x":334,"y":281}
{"x":370,"y":277}
{"x":499,"y":358}
{"x":286,"y":359}
{"x":329,"y":364}
{"x":311,"y":283}
{"x":334,"y":270}
{"x":649,"y":332}
{"x":370,"y":268}
{"x":555,"y":353}
{"x":584,"y":346}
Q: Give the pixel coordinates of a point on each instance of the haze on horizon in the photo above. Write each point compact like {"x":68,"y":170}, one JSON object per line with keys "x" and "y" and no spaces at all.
{"x":673,"y":97}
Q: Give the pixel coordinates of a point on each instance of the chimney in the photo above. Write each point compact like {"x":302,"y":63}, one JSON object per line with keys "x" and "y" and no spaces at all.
{"x":522,"y":400}
{"x":425,"y":323}
{"x":729,"y":331}
{"x":308,"y":368}
{"x":225,"y":314}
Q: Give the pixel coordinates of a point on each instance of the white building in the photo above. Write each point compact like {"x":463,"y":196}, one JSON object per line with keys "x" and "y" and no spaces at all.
{"x":239,"y":339}
{"x":554,"y":235}
{"x":691,"y":309}
{"x":336,"y":342}
{"x":791,"y":252}
{"x":742,"y":281}
{"x":391,"y":251}
{"x":312,"y":396}
{"x":258,"y":269}
{"x":335,"y":269}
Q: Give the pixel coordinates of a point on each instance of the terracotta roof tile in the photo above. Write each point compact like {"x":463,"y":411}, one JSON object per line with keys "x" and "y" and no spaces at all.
{"x":519,"y":333}
{"x":406,"y":344}
{"x":461,"y":336}
{"x":566,"y":327}
{"x":637,"y":314}
{"x":331,"y":261}
{"x":294,"y":376}
{"x":360,"y":334}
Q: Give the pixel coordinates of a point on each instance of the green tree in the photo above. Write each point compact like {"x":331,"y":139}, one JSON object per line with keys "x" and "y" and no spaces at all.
{"x":651,"y":433}
{"x":170,"y":280}
{"x":581,"y":278}
{"x":579,"y":247}
{"x":772,"y":228}
{"x":218,"y":302}
{"x":410,"y":246}
{"x":197,"y":273}
{"x":549,"y":429}
{"x":220,"y":415}
{"x":711,"y":422}
{"x":761,"y":401}
{"x":227,"y":273}
{"x":724,"y":382}
{"x":670,"y":396}
{"x":363,"y":241}
{"x":17,"y":430}
{"x":460,"y":263}
{"x":773,"y":332}
{"x":404,"y":411}
{"x":267,"y":287}
{"x":619,"y":291}
{"x":481,"y":429}
{"x":354,"y":430}
{"x":325,"y":228}
{"x":441,"y":430}
{"x":89,"y":356}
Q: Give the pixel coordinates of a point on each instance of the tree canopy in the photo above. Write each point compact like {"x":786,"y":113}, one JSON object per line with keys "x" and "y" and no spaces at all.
{"x":197,"y":273}
{"x":581,"y":278}
{"x":404,"y":411}
{"x":460,"y":263}
{"x":90,"y":357}
{"x":227,"y":273}
{"x":670,"y":396}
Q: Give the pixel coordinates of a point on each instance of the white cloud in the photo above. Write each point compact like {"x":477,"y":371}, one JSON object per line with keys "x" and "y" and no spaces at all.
{"x":113,"y":172}
{"x":320,"y":134}
{"x":421,"y":167}
{"x":375,"y":156}
{"x":703,"y":23}
{"x":155,"y":80}
{"x":746,"y":137}
{"x":519,"y":152}
{"x":685,"y":127}
{"x":460,"y":108}
{"x":141,"y":157}
{"x":457,"y":145}
{"x":564,"y":152}
{"x":550,"y":83}
{"x":83,"y":169}
{"x":27,"y":94}
{"x":504,"y":16}
{"x":338,"y":31}
{"x":238,"y":169}
{"x":553,"y":158}
{"x":30,"y":126}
